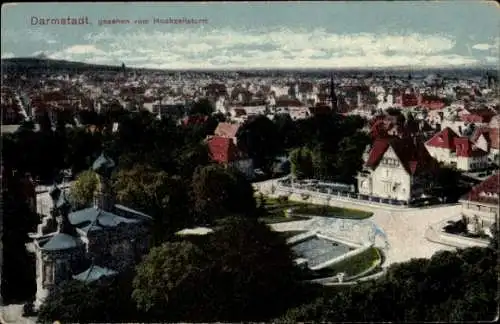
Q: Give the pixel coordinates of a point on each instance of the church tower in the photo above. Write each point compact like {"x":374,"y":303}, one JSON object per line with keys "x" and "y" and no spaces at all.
{"x":104,"y":198}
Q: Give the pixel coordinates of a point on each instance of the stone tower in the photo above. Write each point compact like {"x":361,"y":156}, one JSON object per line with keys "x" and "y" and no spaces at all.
{"x":57,"y":253}
{"x":105,"y":197}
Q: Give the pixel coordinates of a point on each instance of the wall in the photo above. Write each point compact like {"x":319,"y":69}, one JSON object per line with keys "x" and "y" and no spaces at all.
{"x":440,"y":154}
{"x":482,"y":143}
{"x":332,"y":200}
{"x":384,"y":178}
{"x":463,"y":240}
{"x":472,"y":163}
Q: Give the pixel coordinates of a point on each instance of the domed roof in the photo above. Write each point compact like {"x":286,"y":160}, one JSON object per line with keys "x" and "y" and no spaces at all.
{"x":61,"y":241}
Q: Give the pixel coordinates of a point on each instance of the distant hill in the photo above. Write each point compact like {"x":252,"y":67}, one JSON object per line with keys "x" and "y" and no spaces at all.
{"x":32,"y":64}
{"x":41,"y":64}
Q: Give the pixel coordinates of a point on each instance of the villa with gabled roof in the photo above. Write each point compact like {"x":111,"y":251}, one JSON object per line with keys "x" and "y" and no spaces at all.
{"x":396,"y":169}
{"x":458,"y":151}
{"x":91,"y":243}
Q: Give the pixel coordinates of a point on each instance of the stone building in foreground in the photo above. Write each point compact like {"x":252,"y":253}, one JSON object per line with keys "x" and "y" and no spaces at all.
{"x":91,"y":243}
{"x":480,"y":206}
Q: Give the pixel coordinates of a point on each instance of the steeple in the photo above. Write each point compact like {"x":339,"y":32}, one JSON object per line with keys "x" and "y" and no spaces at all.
{"x":333,"y":96}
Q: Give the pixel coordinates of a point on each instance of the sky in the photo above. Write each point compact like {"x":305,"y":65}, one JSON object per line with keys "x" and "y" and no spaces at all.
{"x":260,"y":35}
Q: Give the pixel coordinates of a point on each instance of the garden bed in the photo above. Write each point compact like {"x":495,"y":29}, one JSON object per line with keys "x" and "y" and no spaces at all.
{"x":351,"y":266}
{"x":304,"y":209}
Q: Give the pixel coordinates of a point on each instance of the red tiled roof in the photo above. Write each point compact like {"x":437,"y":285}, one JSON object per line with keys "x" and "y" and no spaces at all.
{"x":485,"y":191}
{"x":223,"y":149}
{"x":443,"y":139}
{"x":227,"y":130}
{"x":465,"y":148}
{"x":412,"y":154}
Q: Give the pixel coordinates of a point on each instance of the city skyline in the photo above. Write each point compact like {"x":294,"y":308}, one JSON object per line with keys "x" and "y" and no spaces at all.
{"x":259,"y":35}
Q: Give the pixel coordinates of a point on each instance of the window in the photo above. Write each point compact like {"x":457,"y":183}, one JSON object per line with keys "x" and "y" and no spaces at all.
{"x":48,"y":274}
{"x":387,"y":172}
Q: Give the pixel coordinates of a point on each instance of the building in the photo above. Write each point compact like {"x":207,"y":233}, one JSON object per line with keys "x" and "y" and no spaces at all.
{"x":228,"y":130}
{"x":488,"y":139}
{"x":396,"y":169}
{"x":480,"y":205}
{"x":224,"y":151}
{"x":91,"y":243}
{"x":451,"y":149}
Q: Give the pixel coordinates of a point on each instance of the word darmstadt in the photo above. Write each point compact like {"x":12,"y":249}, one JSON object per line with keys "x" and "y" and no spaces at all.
{"x":84,"y":20}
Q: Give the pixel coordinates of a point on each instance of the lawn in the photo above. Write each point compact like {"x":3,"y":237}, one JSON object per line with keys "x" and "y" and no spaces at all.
{"x":275,"y":206}
{"x":274,"y":218}
{"x":357,"y":263}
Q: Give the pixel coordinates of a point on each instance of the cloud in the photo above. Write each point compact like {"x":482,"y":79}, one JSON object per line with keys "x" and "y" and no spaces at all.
{"x":83,"y":49}
{"x":264,"y":48}
{"x":482,"y":47}
{"x":7,"y":55}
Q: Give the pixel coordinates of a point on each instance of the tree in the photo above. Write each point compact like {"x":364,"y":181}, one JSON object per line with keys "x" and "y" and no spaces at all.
{"x":253,"y":271}
{"x":158,"y":194}
{"x":393,"y":111}
{"x":446,"y":182}
{"x":301,"y":163}
{"x":84,"y":188}
{"x":18,"y":268}
{"x":451,"y":286}
{"x":246,"y":272}
{"x":189,"y":157}
{"x":202,"y":107}
{"x":165,"y":274}
{"x":107,"y":300}
{"x":350,"y":162}
{"x":218,"y":192}
{"x":286,"y":131}
{"x":259,"y":139}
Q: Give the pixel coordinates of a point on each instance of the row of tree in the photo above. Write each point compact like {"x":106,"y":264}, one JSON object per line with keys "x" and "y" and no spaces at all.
{"x":450,"y":287}
{"x":163,"y":144}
